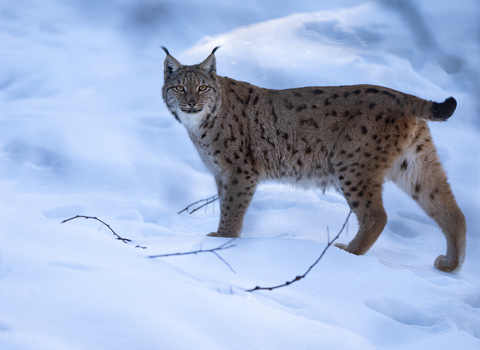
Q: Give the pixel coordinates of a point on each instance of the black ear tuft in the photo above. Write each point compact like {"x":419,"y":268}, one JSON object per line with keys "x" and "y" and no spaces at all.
{"x":165,"y":49}
{"x":170,"y":64}
{"x":210,"y":64}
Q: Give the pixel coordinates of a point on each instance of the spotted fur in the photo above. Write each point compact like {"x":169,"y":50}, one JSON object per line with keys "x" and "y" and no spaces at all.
{"x":352,"y":138}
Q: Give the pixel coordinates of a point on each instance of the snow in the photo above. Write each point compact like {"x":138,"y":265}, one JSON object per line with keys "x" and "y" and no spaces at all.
{"x":84,"y":131}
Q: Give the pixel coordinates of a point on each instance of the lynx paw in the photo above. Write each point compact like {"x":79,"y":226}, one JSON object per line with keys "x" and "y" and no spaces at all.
{"x":214,"y":234}
{"x":444,"y":264}
{"x":347,"y":249}
{"x":341,"y":246}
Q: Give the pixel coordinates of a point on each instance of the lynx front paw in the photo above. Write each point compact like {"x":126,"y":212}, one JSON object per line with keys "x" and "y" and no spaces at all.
{"x":341,"y":246}
{"x":216,"y":234}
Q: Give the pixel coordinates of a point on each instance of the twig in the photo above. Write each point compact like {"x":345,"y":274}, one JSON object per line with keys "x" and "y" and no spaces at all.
{"x":226,"y":263}
{"x":298,"y":278}
{"x":207,"y":202}
{"x":124,"y":240}
{"x":213,"y":251}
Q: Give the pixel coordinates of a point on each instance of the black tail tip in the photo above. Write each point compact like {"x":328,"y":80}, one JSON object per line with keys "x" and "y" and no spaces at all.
{"x":444,"y":110}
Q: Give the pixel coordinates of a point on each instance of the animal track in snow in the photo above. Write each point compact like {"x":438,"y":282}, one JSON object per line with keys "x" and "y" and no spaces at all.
{"x":21,"y":152}
{"x":400,"y":312}
{"x":149,"y":213}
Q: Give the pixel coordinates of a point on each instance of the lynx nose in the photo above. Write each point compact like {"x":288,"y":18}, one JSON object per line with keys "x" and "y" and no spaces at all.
{"x":191,"y":104}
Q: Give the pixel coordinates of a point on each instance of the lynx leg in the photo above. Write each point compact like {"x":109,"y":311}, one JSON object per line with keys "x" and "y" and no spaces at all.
{"x":419,"y":173}
{"x":235,"y":196}
{"x":366,"y":202}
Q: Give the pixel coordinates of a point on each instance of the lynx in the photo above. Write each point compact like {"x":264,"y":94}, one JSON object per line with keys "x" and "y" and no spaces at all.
{"x":351,"y":138}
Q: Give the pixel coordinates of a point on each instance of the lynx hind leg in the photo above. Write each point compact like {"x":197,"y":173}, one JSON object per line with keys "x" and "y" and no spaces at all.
{"x":419,"y":173}
{"x":365,"y":200}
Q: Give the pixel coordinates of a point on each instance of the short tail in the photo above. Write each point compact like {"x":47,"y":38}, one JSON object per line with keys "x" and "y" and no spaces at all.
{"x":442,"y":111}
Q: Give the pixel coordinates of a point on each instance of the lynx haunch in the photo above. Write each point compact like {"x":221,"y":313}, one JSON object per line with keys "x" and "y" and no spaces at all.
{"x":352,"y":138}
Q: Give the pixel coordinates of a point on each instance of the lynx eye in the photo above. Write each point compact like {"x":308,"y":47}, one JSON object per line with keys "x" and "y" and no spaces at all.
{"x":202,"y":88}
{"x":179,"y":88}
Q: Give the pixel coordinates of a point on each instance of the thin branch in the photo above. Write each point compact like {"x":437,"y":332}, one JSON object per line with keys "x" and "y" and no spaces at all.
{"x":298,"y":278}
{"x":226,"y":263}
{"x":207,"y":202}
{"x":124,"y":240}
{"x":225,"y":245}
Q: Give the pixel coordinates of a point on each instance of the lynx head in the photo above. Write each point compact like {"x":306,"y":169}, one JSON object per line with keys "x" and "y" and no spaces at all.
{"x":191,"y":92}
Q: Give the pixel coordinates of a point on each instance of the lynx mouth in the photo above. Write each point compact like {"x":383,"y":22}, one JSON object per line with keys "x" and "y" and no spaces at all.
{"x":191,"y":110}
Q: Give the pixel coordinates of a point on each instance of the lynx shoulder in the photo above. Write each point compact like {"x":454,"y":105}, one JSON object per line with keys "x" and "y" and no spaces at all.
{"x":351,"y":138}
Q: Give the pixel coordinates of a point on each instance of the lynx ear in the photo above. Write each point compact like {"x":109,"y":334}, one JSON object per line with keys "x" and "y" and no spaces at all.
{"x":210,"y":64}
{"x":170,"y":65}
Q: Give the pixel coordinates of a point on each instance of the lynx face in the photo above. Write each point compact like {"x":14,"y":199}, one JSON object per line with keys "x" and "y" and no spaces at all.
{"x":352,"y":137}
{"x":191,"y":92}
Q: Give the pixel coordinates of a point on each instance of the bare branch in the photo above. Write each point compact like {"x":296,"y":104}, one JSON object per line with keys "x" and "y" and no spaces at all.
{"x":207,"y":202}
{"x":298,"y":278}
{"x":225,"y":245}
{"x":226,"y":263}
{"x":124,"y":240}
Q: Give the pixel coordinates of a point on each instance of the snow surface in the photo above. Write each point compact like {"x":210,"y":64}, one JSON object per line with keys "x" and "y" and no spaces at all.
{"x":83,"y":131}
